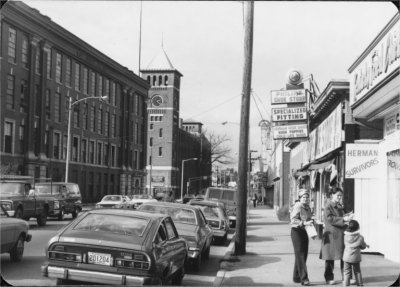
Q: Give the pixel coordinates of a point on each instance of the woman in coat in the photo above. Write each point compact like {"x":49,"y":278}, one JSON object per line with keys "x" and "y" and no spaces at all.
{"x":332,"y":244}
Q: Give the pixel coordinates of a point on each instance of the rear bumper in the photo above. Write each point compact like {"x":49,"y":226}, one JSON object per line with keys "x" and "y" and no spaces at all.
{"x":94,"y":277}
{"x":219,"y":232}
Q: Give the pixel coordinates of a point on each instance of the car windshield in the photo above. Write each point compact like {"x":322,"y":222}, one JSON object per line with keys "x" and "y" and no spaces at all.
{"x":141,"y":196}
{"x":117,"y":224}
{"x":177,"y":214}
{"x":112,"y":198}
{"x":211,"y":211}
{"x":46,"y":189}
{"x":12,"y":188}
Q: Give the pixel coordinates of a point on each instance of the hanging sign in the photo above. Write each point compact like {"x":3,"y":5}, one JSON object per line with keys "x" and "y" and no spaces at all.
{"x":290,"y":131}
{"x":288,"y":96}
{"x":362,"y":161}
{"x":289,"y":114}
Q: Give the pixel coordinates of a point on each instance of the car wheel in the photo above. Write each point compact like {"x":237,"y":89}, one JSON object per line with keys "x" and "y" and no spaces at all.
{"x":19,"y":213}
{"x":75,"y":212}
{"x":197,"y":263}
{"x":42,"y":218}
{"x":61,"y":214}
{"x":178,"y":277}
{"x":18,"y":250}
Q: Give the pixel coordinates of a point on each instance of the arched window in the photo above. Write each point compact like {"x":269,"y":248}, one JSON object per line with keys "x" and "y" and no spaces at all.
{"x":166,"y":80}
{"x":149,"y":80}
{"x":159,"y":80}
{"x":154,"y":80}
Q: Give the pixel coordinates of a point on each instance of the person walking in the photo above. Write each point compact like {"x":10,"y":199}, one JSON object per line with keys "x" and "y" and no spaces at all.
{"x":332,"y":243}
{"x":169,"y":197}
{"x":300,"y":217}
{"x":353,"y":243}
{"x":254,"y":198}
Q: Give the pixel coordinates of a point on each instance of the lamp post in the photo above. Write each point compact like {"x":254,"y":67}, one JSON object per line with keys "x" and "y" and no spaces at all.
{"x":70,"y":104}
{"x":183,"y":171}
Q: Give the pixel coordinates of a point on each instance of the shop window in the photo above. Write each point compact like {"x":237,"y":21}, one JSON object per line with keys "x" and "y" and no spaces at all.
{"x":393,"y":188}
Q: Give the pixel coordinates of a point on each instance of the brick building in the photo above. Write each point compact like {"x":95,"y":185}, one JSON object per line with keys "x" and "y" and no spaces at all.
{"x":43,"y":67}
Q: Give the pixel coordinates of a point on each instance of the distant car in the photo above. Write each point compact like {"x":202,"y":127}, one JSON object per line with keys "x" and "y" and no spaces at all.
{"x":226,"y":196}
{"x":117,"y":247}
{"x":112,"y":201}
{"x":216,"y":216}
{"x":189,"y":197}
{"x":67,"y":197}
{"x":139,"y":199}
{"x":14,"y":233}
{"x":191,"y":225}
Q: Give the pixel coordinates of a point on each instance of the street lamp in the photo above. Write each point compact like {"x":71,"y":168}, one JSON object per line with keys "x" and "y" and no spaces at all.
{"x":183,"y":168}
{"x":70,"y":104}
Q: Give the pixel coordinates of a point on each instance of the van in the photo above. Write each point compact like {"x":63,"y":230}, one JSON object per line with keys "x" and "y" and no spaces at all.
{"x":228,"y":196}
{"x":67,"y":197}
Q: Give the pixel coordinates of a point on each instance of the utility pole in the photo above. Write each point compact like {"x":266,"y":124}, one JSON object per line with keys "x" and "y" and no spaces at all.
{"x":240,"y":238}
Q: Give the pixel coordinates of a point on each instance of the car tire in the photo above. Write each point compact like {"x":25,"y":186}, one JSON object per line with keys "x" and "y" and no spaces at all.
{"x":19,"y":213}
{"x":197,"y":263}
{"x":17,"y":251}
{"x":61,"y":215}
{"x":42,"y":218}
{"x":75,"y":212}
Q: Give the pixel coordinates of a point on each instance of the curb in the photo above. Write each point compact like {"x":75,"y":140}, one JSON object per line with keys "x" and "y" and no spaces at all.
{"x":219,"y":278}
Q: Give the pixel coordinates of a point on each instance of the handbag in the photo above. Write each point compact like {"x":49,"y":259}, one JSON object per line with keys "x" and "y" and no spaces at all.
{"x":311,"y":231}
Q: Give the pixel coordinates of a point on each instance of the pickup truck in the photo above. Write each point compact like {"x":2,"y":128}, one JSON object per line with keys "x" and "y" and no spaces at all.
{"x":21,"y":201}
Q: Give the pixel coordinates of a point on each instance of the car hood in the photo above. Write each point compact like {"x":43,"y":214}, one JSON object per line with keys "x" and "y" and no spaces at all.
{"x":102,"y":239}
{"x":186,"y":229}
{"x":16,"y":221}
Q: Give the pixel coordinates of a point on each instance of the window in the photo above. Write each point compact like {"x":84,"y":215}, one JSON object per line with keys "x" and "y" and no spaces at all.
{"x":12,"y":40}
{"x":57,"y":107}
{"x":136,"y":159}
{"x":106,"y":122}
{"x":75,"y":149}
{"x":150,"y":141}
{"x":100,"y":120}
{"x":23,"y":98}
{"x":160,"y":81}
{"x":24,"y":51}
{"x":91,"y":118}
{"x":68,"y":69}
{"x":160,"y":151}
{"x":85,"y":116}
{"x":113,"y":94}
{"x":56,"y":145}
{"x":58,"y":68}
{"x":393,"y":186}
{"x":166,"y":80}
{"x":100,"y":90}
{"x":77,"y":77}
{"x":137,"y":133}
{"x":8,"y":136}
{"x":47,"y":142}
{"x":151,"y":127}
{"x":83,"y":150}
{"x":47,"y":104}
{"x":107,"y":89}
{"x":48,"y":71}
{"x":37,"y":61}
{"x":149,"y":80}
{"x":85,"y":80}
{"x":91,"y":152}
{"x":75,"y":118}
{"x":106,"y":154}
{"x":65,"y":141}
{"x":10,"y":92}
{"x":114,"y":125}
{"x":113,"y":156}
{"x":99,"y":153}
{"x":154,"y":80}
{"x":93,"y":84}
{"x":160,"y":133}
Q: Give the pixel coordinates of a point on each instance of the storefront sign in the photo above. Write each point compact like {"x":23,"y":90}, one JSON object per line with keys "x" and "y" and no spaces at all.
{"x":290,"y":131}
{"x":362,"y":161}
{"x":288,"y":96}
{"x":382,"y":60}
{"x":157,"y":179}
{"x":289,"y":114}
{"x":329,"y":133}
{"x":392,"y":123}
{"x":393,"y":158}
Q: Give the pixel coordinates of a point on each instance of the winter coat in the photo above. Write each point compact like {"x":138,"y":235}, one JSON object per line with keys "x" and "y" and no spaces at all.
{"x":299,"y":214}
{"x":332,"y":244}
{"x":353,"y":243}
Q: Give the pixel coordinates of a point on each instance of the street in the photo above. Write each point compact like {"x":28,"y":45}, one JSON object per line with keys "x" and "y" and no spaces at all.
{"x":27,"y":272}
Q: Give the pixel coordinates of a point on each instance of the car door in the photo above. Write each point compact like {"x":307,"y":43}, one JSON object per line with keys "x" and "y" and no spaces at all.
{"x":7,"y":232}
{"x":176,"y":245}
{"x":206,"y":233}
{"x":161,"y":251}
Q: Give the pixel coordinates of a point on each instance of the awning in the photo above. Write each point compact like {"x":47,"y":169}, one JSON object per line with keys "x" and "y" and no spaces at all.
{"x":322,"y":165}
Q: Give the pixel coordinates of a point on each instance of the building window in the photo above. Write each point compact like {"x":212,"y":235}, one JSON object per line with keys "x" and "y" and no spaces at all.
{"x":91,"y":152}
{"x":113,"y":94}
{"x":105,"y":162}
{"x":150,"y":141}
{"x":58,"y":68}
{"x":149,"y":80}
{"x":136,"y":159}
{"x":65,"y":141}
{"x":47,"y":141}
{"x":68,"y":69}
{"x":48,"y":72}
{"x":10,"y":92}
{"x":75,"y":149}
{"x":83,"y":150}
{"x":166,"y":80}
{"x":23,"y":99}
{"x":12,"y":40}
{"x":37,"y":61}
{"x":24,"y":51}
{"x":85,"y":116}
{"x":22,"y":136}
{"x":91,"y":118}
{"x":151,"y":127}
{"x":100,"y":91}
{"x":77,"y":77}
{"x":137,"y":135}
{"x":160,"y":151}
{"x":106,"y":123}
{"x":56,"y":145}
{"x":154,"y":80}
{"x":57,"y":107}
{"x":113,"y":156}
{"x":85,"y":80}
{"x":160,"y":81}
{"x":93,"y":84}
{"x":160,"y":133}
{"x":100,"y":120}
{"x":47,"y":104}
{"x":114,"y":125}
{"x":75,"y":118}
{"x":99,"y":153}
{"x":8,"y":136}
{"x":107,"y":89}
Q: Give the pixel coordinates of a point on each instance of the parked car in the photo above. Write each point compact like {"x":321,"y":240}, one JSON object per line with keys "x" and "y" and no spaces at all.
{"x":117,"y":247}
{"x":216,"y":216}
{"x":191,"y":225}
{"x":112,"y":200}
{"x":18,"y":191}
{"x":14,"y":233}
{"x":189,"y":197}
{"x":67,"y":197}
{"x":139,"y":199}
{"x":226,"y":196}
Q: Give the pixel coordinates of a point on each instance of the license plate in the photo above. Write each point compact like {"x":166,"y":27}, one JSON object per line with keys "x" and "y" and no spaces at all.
{"x":99,"y":258}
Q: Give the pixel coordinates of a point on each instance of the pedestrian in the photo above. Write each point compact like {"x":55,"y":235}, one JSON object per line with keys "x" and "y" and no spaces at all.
{"x":332,"y":243}
{"x":169,"y":197}
{"x":300,"y":217}
{"x":353,"y":243}
{"x":254,"y":198}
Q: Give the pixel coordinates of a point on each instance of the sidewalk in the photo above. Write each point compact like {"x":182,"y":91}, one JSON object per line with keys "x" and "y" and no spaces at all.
{"x":269,"y":258}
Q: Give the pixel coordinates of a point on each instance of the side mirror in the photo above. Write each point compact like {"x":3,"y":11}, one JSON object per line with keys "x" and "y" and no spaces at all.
{"x":32,"y":192}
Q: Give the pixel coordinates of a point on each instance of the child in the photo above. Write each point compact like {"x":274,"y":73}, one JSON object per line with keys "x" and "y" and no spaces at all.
{"x":353,"y":243}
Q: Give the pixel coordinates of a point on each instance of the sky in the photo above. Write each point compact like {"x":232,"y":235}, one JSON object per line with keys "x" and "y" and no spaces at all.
{"x":204,"y":41}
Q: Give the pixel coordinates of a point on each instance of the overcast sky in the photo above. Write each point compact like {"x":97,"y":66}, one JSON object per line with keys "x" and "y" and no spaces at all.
{"x":204,"y":41}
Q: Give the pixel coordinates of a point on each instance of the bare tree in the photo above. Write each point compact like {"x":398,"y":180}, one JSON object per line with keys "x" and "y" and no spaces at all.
{"x":220,"y":150}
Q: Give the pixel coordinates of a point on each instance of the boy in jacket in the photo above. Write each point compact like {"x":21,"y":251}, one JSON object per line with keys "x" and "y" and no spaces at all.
{"x":353,"y":243}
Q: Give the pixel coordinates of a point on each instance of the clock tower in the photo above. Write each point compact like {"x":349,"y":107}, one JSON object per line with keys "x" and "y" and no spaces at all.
{"x":162,"y":125}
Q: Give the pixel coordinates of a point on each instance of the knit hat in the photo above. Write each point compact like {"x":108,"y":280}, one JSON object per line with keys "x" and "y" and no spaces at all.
{"x":302,"y":192}
{"x":353,"y":226}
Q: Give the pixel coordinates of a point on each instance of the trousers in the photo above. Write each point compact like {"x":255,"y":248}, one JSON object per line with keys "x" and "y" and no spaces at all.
{"x":329,"y":265}
{"x":300,"y":244}
{"x":347,"y":271}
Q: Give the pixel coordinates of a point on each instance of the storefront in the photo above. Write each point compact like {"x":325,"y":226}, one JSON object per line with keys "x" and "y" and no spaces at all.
{"x":375,"y":164}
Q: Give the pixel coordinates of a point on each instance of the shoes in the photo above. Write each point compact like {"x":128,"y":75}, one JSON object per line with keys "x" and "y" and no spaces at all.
{"x":353,"y":281}
{"x":305,"y":283}
{"x":330,"y":282}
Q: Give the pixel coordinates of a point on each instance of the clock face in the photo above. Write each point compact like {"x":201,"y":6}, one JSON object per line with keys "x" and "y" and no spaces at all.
{"x":157,"y":100}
